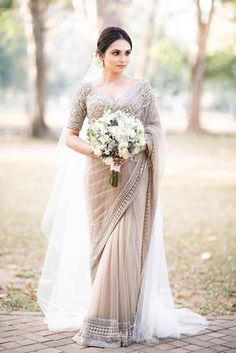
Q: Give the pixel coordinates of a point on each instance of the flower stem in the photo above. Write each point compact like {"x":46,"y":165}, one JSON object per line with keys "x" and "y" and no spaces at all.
{"x":113,"y":178}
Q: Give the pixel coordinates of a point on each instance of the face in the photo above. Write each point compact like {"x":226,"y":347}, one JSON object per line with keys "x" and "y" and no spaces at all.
{"x":117,"y":56}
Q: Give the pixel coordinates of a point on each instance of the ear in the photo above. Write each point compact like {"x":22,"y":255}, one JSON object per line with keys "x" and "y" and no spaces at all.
{"x":100,"y":56}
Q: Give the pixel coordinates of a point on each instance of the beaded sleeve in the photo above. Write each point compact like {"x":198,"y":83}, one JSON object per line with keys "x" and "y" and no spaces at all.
{"x":154,"y":123}
{"x":78,"y":109}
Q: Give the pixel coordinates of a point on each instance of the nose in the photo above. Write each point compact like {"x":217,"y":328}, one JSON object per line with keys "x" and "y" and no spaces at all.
{"x":122,"y":59}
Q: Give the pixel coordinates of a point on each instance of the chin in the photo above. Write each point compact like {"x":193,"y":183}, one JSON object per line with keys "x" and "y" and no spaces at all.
{"x":120,"y":68}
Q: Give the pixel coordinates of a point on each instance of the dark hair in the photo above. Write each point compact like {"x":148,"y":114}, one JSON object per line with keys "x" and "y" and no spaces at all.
{"x":110,"y":35}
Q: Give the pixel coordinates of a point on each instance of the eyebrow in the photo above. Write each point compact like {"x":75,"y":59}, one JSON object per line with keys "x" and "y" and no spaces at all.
{"x":121,"y":50}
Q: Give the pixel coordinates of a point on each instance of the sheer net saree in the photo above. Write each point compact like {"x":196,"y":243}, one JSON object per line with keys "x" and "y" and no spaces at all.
{"x":128,"y":297}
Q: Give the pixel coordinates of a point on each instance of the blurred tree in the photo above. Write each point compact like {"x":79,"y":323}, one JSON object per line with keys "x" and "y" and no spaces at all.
{"x":220,"y":77}
{"x":222,"y":66}
{"x":171,"y":61}
{"x":12,"y":50}
{"x":147,"y":40}
{"x":205,"y":10}
{"x":33,"y":12}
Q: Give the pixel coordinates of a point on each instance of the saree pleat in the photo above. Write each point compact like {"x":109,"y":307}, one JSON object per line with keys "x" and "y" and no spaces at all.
{"x":113,"y":207}
{"x":116,"y":283}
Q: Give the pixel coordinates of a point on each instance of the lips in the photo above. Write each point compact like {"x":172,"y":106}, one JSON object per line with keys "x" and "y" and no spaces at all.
{"x":121,"y":65}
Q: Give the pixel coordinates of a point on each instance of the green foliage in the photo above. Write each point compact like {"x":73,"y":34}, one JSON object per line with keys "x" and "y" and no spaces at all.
{"x":171,"y":68}
{"x":220,"y":78}
{"x":12,"y":51}
{"x":231,"y":2}
{"x":5,"y":4}
{"x":221,"y":66}
{"x":171,"y":62}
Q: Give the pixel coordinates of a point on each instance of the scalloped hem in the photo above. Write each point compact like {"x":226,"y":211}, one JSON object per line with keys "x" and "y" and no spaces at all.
{"x":105,"y":333}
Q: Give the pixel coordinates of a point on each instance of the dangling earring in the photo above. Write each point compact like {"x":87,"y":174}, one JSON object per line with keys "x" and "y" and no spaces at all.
{"x":97,"y":60}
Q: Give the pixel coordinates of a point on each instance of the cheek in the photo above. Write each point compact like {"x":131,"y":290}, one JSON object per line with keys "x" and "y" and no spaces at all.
{"x":115,"y":58}
{"x":111,"y":59}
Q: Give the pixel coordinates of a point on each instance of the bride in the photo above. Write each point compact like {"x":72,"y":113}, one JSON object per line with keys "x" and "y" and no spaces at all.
{"x":105,"y":273}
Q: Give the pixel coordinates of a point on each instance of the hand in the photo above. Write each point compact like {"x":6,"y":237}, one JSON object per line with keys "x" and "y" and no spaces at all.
{"x":144,"y":147}
{"x":119,"y":160}
{"x":92,"y":155}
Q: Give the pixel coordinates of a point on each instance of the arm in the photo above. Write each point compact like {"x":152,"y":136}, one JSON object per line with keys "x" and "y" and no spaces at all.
{"x":79,"y":145}
{"x":77,"y":115}
{"x":153,"y":123}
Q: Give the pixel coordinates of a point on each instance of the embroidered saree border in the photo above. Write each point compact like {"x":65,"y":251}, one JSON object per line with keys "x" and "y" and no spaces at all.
{"x":130,"y":190}
{"x":105,"y":332}
{"x":120,"y":205}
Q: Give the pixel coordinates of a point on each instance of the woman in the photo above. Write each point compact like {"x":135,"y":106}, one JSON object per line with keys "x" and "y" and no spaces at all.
{"x":130,"y":298}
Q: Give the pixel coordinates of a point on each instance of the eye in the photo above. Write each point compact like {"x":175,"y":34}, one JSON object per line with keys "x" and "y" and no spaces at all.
{"x":117,"y":53}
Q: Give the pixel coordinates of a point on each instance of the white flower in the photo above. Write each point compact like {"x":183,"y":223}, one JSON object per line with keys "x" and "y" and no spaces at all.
{"x":137,"y":149}
{"x":116,"y":133}
{"x":97,"y":151}
{"x":125,"y":154}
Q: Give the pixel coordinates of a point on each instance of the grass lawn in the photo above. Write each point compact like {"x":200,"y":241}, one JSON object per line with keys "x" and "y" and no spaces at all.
{"x":199,"y":200}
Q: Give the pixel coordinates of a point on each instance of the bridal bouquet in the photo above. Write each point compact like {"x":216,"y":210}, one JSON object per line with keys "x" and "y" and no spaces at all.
{"x":116,"y":134}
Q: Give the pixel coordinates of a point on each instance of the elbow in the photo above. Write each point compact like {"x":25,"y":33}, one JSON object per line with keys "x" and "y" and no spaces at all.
{"x":68,"y":140}
{"x":69,"y":137}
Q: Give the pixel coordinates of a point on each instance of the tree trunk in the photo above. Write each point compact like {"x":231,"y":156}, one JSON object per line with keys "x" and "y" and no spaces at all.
{"x":198,"y":67}
{"x":32,"y":12}
{"x":144,"y":56}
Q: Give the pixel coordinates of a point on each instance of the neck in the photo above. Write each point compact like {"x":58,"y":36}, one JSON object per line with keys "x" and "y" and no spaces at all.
{"x":108,"y":76}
